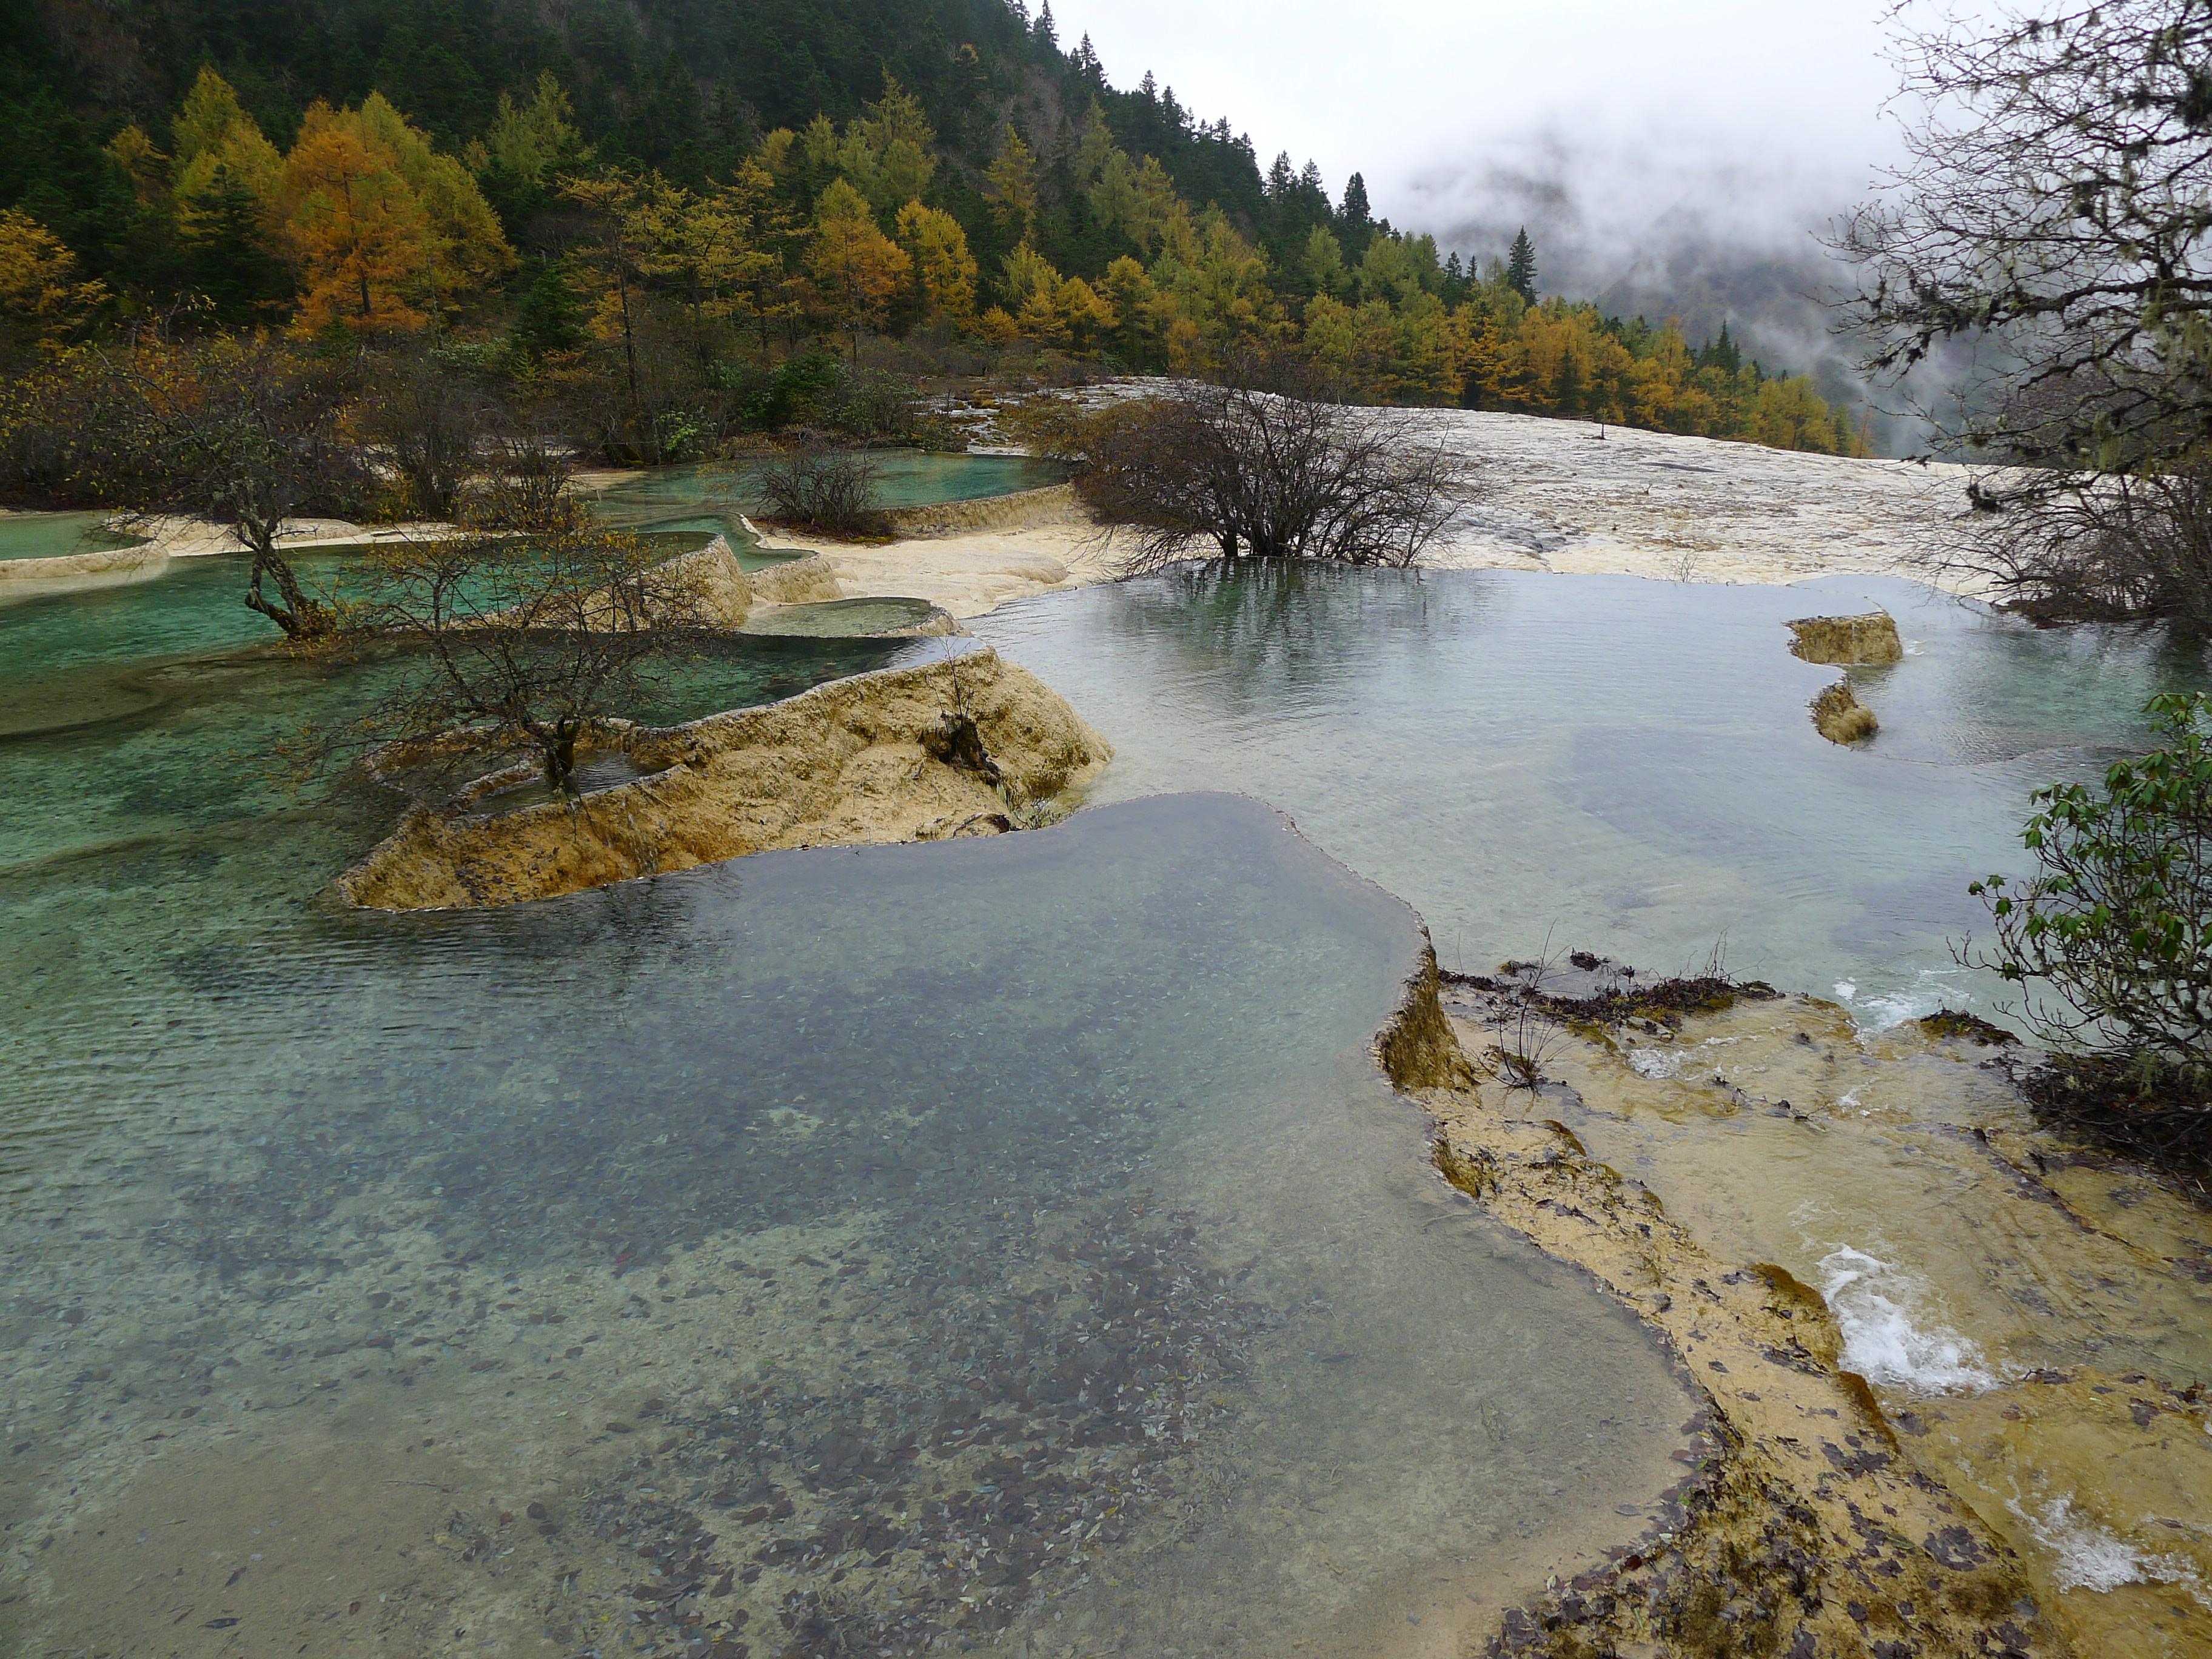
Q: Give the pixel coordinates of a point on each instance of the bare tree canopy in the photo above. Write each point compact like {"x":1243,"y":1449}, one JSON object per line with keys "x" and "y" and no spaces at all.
{"x":829,"y":490}
{"x":1267,"y":474}
{"x":2132,"y":548}
{"x":2057,"y":206}
{"x":527,"y":641}
{"x":254,"y":435}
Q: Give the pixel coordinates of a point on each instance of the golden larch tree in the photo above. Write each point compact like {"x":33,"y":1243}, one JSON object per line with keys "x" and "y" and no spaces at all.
{"x":857,"y":270}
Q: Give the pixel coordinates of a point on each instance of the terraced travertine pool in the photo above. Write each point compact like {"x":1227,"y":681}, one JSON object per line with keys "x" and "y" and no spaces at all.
{"x":718,"y":495}
{"x":1607,"y":761}
{"x":1003,"y":1243}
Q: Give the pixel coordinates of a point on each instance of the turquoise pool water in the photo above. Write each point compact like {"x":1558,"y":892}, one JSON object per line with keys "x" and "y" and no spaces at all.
{"x":194,"y":606}
{"x":1006,"y":1242}
{"x":49,"y":535}
{"x":714,"y":494}
{"x":1614,"y":765}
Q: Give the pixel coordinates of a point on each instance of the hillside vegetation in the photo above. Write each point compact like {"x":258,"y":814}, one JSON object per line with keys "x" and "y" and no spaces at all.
{"x":684,"y":219}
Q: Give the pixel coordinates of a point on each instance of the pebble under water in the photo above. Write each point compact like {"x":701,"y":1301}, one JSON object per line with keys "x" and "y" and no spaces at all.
{"x":1001,"y":1244}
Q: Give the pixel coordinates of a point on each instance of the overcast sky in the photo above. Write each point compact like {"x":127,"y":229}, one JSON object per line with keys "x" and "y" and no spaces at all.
{"x":1760,"y":115}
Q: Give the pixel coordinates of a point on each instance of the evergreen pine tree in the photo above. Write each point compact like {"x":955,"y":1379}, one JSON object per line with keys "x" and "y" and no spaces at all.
{"x":1520,"y":266}
{"x":550,"y":317}
{"x":1046,"y":36}
{"x":1722,"y":353}
{"x":228,"y":258}
{"x":1356,"y":222}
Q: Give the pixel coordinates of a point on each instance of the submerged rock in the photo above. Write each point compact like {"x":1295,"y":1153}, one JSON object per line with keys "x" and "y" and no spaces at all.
{"x":1847,"y":641}
{"x":855,"y":761}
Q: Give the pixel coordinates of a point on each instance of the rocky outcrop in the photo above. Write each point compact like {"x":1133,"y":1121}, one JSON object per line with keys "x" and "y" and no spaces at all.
{"x":1840,"y":717}
{"x":1804,"y":1526}
{"x":857,"y":761}
{"x":24,"y":578}
{"x":1052,"y":504}
{"x":808,"y":581}
{"x":1847,"y":641}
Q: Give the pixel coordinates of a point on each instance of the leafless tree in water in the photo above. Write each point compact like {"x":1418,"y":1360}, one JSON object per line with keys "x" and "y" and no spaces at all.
{"x":252,"y":437}
{"x":829,"y":490}
{"x":529,"y":643}
{"x":2129,"y":549}
{"x":1261,"y":467}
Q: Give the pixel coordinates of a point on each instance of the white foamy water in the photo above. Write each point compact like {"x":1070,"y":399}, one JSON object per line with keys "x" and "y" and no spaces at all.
{"x":1889,"y":1337}
{"x":2089,"y":1557}
{"x":1931,"y":990}
{"x":1654,"y":1063}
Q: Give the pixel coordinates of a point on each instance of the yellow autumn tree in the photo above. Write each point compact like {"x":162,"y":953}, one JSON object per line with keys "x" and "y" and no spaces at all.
{"x":220,"y":151}
{"x":387,"y":230}
{"x":887,"y":152}
{"x":469,"y":250}
{"x":527,"y":142}
{"x":41,"y":301}
{"x":1011,"y":182}
{"x":1086,"y":314}
{"x":1032,"y":289}
{"x":857,"y":270}
{"x":937,"y":246}
{"x":360,"y":235}
{"x":711,"y":250}
{"x":148,"y":169}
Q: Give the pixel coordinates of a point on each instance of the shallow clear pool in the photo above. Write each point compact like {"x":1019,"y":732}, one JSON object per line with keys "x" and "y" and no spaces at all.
{"x":50,"y":535}
{"x":1006,"y":1241}
{"x":1609,"y":763}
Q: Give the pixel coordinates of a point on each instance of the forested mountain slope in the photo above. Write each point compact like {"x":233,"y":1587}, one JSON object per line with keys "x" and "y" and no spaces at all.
{"x":718,"y":183}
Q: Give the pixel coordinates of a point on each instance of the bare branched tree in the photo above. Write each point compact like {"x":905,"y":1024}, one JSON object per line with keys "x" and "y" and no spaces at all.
{"x":2129,"y":549}
{"x":428,"y":425}
{"x":252,"y":437}
{"x":2058,"y":201}
{"x":525,"y":642}
{"x":523,"y":484}
{"x":1264,"y":470}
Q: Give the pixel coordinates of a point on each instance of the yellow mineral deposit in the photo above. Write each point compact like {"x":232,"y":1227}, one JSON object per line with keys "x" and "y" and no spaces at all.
{"x":1954,"y":1357}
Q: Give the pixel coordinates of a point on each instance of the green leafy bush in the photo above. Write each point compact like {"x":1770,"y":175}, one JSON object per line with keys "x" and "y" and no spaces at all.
{"x":2111,"y":938}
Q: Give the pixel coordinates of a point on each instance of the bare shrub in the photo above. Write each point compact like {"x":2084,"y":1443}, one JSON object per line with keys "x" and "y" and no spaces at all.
{"x":2134,"y":550}
{"x":426,"y":422}
{"x":829,"y":490}
{"x":1266,"y":473}
{"x":523,"y":484}
{"x":1525,"y":1030}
